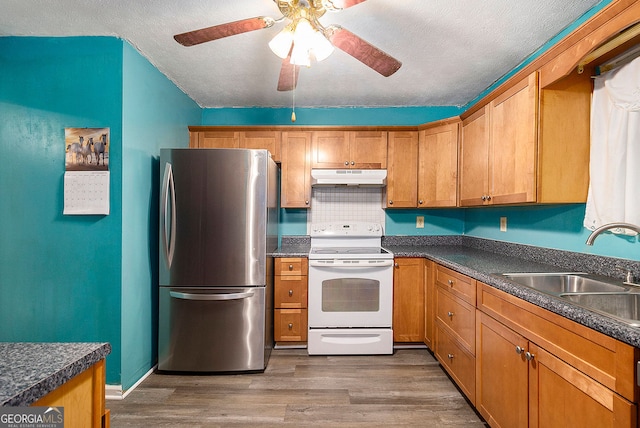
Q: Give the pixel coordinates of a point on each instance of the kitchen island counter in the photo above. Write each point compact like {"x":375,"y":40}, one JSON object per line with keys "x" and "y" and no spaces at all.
{"x":29,"y":371}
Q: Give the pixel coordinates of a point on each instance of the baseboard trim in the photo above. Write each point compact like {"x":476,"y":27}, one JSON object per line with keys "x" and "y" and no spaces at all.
{"x":115,"y":392}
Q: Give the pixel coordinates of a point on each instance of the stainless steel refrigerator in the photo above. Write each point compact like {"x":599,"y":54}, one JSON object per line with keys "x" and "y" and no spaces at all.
{"x":218,"y":226}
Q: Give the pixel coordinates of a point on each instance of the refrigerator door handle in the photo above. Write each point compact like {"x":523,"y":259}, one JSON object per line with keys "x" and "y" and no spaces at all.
{"x":168,"y":190}
{"x":229,"y":296}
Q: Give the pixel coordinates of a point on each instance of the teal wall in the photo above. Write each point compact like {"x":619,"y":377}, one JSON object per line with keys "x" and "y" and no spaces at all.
{"x":155,"y":114}
{"x":83,"y":278}
{"x":59,"y":275}
{"x":388,"y":116}
{"x":551,"y":226}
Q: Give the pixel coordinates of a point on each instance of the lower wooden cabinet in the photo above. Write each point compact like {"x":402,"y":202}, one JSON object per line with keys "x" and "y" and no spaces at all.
{"x":538,"y":369}
{"x":408,"y":300}
{"x":83,"y":399}
{"x":290,"y":300}
{"x":455,"y":327}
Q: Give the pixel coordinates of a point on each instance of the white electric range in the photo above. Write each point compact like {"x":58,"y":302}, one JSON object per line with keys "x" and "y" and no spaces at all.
{"x":350,"y":290}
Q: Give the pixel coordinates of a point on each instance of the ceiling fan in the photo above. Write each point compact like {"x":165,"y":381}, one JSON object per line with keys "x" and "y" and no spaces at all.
{"x":302,"y":39}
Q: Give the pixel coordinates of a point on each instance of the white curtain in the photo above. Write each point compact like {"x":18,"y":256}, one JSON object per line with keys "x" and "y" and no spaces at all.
{"x":614,"y":187}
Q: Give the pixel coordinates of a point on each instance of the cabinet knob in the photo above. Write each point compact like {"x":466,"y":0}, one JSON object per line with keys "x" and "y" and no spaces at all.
{"x":353,"y":163}
{"x":290,"y":267}
{"x":346,"y":162}
{"x":450,"y":356}
{"x":483,"y":197}
{"x":290,"y":326}
{"x":306,"y":202}
{"x":519,"y":350}
{"x":488,"y":197}
{"x":390,"y":202}
{"x":396,"y":265}
{"x":290,"y":293}
{"x":529,"y":356}
{"x":450,"y":314}
{"x":421,"y":202}
{"x":451,"y":282}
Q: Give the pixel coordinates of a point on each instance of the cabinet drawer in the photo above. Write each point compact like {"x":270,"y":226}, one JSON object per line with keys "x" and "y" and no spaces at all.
{"x":290,"y":292}
{"x":457,"y":317}
{"x":290,"y":325}
{"x":291,"y":266}
{"x":459,"y":285}
{"x":458,"y":362}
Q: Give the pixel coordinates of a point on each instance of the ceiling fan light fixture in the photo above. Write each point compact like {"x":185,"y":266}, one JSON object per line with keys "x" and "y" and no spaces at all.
{"x":308,"y":42}
{"x":281,"y":43}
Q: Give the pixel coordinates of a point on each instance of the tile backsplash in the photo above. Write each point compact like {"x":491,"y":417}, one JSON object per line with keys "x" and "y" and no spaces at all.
{"x":346,"y":204}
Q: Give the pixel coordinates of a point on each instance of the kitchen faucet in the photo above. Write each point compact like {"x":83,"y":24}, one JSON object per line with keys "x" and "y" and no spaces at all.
{"x":608,"y":226}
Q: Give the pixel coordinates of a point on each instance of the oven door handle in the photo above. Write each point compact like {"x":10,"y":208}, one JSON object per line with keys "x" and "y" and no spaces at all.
{"x":350,"y":264}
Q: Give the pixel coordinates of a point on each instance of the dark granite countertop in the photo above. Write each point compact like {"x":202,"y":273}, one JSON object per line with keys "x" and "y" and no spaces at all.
{"x":29,"y":371}
{"x":484,"y":260}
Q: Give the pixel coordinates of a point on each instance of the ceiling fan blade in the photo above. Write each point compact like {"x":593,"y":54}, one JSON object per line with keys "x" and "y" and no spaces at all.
{"x":363,"y":51}
{"x":216,"y":32}
{"x":288,"y":79}
{"x":343,"y":4}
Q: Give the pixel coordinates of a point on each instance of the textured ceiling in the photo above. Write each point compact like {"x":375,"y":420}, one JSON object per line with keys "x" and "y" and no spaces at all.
{"x":451,"y":50}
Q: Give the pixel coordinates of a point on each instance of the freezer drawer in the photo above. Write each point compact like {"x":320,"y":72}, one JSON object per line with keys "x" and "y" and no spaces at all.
{"x":213,"y":329}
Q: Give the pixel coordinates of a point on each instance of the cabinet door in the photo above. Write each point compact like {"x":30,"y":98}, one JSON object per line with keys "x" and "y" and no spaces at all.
{"x":368,"y":149}
{"x":330,"y":149}
{"x":402,"y":170}
{"x":502,"y":374}
{"x":474,"y":159}
{"x":408,"y":298}
{"x":269,"y":140}
{"x":438,"y":166}
{"x":295,"y":171}
{"x":561,"y":396}
{"x":512,"y":177}
{"x":218,"y":139}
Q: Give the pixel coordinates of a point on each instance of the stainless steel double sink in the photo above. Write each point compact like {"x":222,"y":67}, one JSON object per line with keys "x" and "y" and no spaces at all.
{"x":588,"y":291}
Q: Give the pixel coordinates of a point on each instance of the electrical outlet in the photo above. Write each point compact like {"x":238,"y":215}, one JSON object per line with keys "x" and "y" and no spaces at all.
{"x":503,"y":224}
{"x":420,"y":222}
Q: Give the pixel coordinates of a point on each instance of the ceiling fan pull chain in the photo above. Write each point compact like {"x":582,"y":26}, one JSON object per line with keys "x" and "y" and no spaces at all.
{"x":293,"y":95}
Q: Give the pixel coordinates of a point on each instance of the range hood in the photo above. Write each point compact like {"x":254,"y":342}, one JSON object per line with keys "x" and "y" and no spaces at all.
{"x":349,"y":177}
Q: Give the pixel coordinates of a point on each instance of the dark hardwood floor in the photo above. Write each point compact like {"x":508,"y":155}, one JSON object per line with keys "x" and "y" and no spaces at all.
{"x":406,"y":388}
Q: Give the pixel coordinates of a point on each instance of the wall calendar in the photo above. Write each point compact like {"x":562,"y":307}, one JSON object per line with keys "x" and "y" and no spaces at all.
{"x":86,"y":177}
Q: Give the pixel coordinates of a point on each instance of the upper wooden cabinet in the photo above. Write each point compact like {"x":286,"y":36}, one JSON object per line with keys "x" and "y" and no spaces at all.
{"x":295,"y":170}
{"x":269,"y":140}
{"x":528,"y":145}
{"x":438,"y":165}
{"x":349,"y":149}
{"x":402,"y":169}
{"x":219,"y":139}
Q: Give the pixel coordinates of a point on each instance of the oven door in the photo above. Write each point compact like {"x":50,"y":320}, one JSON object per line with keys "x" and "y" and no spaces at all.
{"x":350,"y":293}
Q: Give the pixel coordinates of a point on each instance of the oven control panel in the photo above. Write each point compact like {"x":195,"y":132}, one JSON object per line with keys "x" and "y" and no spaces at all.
{"x":355,"y":229}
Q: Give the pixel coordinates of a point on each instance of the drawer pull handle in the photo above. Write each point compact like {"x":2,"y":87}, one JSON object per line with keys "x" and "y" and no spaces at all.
{"x":450,"y":356}
{"x":290,"y":326}
{"x":529,"y":356}
{"x":290,"y":267}
{"x":450,"y":314}
{"x":451,"y":282}
{"x":290,"y":293}
{"x":519,"y":350}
